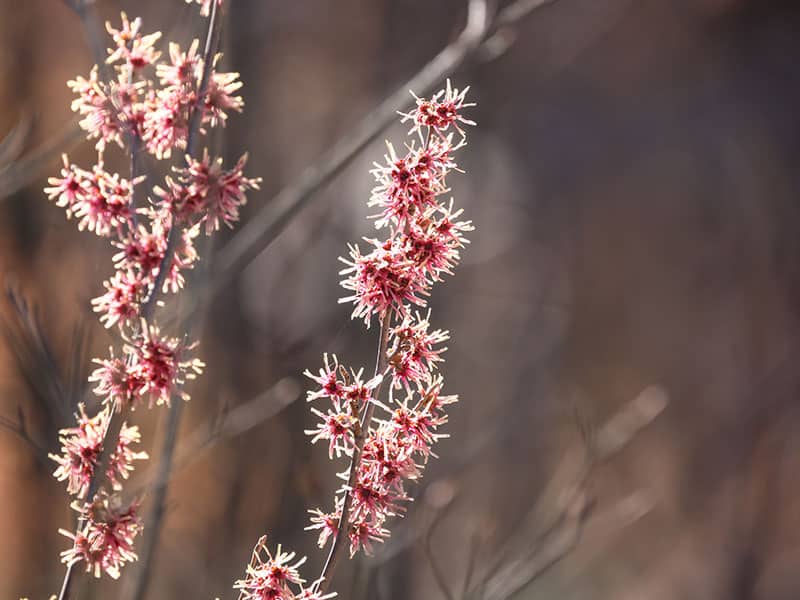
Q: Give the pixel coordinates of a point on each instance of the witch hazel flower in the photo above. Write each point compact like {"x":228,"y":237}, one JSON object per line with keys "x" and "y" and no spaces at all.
{"x":414,"y":354}
{"x":105,"y":541}
{"x":142,"y":250}
{"x":122,"y":300}
{"x":440,"y":112}
{"x":163,"y":364}
{"x":382,"y":281}
{"x":100,"y":200}
{"x":81,"y":447}
{"x":388,"y":443}
{"x":204,"y":192}
{"x":424,"y":240}
{"x":135,"y":50}
{"x":156,"y":104}
{"x":205,"y":5}
{"x":275,"y":577}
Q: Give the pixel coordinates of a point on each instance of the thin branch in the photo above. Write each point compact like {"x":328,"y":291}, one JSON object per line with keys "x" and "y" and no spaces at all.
{"x":11,"y":145}
{"x":233,"y":423}
{"x":438,"y":575}
{"x":343,"y":527}
{"x":21,"y":431}
{"x":147,"y":551}
{"x":541,"y":540}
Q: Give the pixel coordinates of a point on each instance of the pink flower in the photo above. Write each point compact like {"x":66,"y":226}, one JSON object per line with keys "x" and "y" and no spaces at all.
{"x":105,"y":205}
{"x":389,"y":459}
{"x":338,"y":428}
{"x":220,"y":100}
{"x":142,"y":250}
{"x":412,"y":352}
{"x":134,"y":49}
{"x":411,"y":184}
{"x":184,"y":68}
{"x":120,"y":303}
{"x":330,"y":379}
{"x":441,"y":111}
{"x":166,"y":122}
{"x":70,"y":188}
{"x":363,"y":533}
{"x":101,"y":119}
{"x":105,"y":542}
{"x":327,"y":523}
{"x":207,"y":193}
{"x":271,"y":577}
{"x":383,"y":280}
{"x":164,"y":365}
{"x":119,"y":382}
{"x":81,"y":447}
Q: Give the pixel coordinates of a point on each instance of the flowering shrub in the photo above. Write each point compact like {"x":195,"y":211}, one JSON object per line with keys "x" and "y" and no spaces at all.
{"x":159,"y":105}
{"x":423,"y":239}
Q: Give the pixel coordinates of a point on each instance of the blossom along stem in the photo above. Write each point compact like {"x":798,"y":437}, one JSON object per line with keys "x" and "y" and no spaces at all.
{"x":137,"y":113}
{"x":339,"y":541}
{"x":212,"y":43}
{"x":386,"y":449}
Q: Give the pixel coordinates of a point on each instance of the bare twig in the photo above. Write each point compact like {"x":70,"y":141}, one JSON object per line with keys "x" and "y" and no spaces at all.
{"x":438,"y":575}
{"x":20,"y":429}
{"x":11,"y":145}
{"x":554,"y":524}
{"x":233,"y":423}
{"x":151,"y":537}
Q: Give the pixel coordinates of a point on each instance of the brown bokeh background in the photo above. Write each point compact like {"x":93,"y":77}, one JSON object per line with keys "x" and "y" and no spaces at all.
{"x":634,"y":185}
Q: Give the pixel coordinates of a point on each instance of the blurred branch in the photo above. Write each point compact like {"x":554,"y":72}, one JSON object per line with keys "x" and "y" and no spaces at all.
{"x":26,"y":339}
{"x":20,"y":429}
{"x":556,"y":521}
{"x":11,"y":145}
{"x":225,"y":426}
{"x":147,"y":551}
{"x":261,"y":230}
{"x":438,"y":575}
{"x":19,"y":173}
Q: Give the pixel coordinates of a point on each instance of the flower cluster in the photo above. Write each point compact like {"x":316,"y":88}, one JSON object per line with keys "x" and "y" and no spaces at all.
{"x":82,"y":446}
{"x":388,"y":442}
{"x":423,"y":243}
{"x":159,"y":105}
{"x":274,"y":577}
{"x":105,"y":543}
{"x":425,"y":235}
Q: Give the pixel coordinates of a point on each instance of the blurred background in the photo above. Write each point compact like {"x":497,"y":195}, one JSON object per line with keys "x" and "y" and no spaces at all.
{"x":634,"y":185}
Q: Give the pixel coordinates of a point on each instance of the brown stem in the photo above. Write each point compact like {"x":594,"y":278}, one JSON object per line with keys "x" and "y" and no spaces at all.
{"x":339,"y":541}
{"x":164,"y":468}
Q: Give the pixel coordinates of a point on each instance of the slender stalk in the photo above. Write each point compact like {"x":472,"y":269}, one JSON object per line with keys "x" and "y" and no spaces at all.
{"x":150,"y":541}
{"x":343,"y":527}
